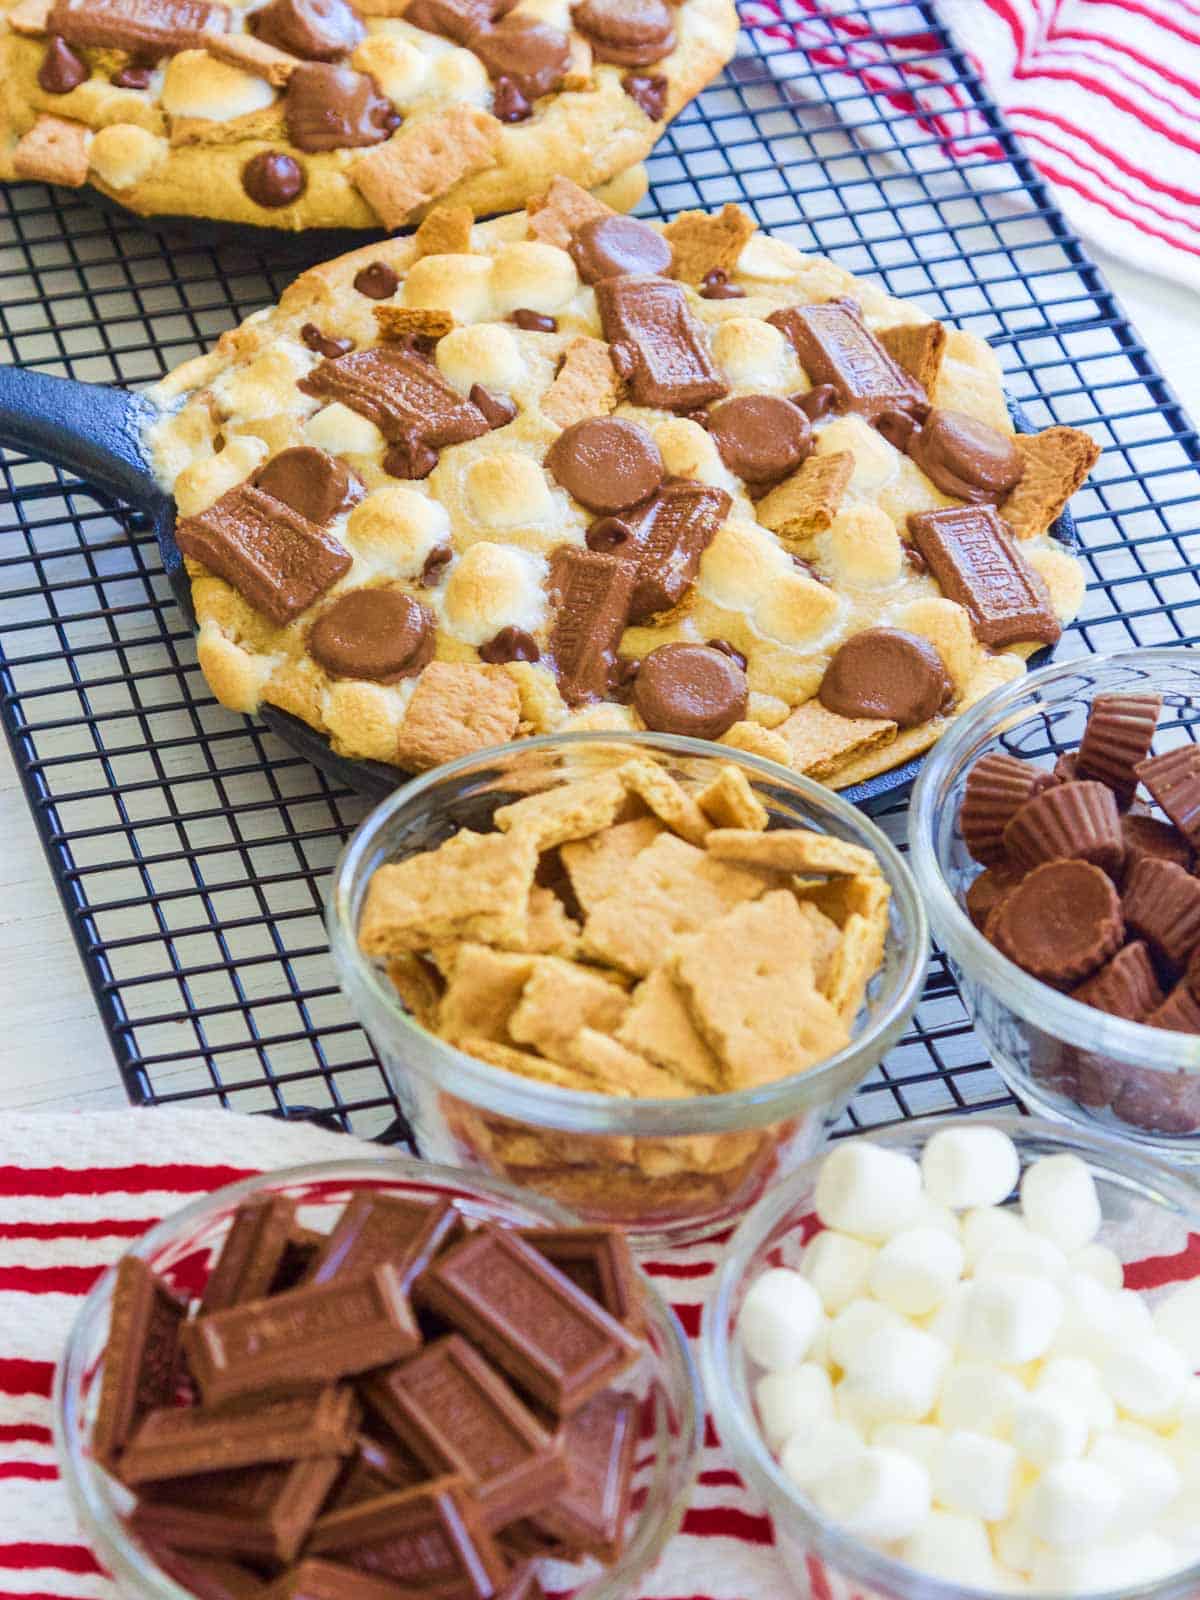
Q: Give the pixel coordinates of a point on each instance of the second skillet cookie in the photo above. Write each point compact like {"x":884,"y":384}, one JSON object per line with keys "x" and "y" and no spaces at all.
{"x":581,"y":472}
{"x":343,"y":113}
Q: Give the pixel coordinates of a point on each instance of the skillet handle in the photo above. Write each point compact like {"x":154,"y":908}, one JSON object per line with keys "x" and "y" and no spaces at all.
{"x":85,"y":428}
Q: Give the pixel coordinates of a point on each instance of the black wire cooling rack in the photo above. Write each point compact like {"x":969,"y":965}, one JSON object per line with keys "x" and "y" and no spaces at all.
{"x":192,"y":849}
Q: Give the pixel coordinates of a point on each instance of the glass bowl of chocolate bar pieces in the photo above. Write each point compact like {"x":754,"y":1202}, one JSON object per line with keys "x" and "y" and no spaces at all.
{"x":372,"y":1379}
{"x":639,"y":974}
{"x":1055,"y":836}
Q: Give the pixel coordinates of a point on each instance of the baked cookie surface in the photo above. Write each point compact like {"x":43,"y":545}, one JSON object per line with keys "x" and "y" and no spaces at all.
{"x":343,"y":113}
{"x":569,"y":470}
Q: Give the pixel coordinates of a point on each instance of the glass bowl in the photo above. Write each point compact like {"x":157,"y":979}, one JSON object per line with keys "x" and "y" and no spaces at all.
{"x":1063,"y":1058}
{"x":1148,"y":1210}
{"x":665,"y":1170}
{"x":182,"y":1249}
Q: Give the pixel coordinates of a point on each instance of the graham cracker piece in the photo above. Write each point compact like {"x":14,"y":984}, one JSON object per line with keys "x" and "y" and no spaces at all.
{"x":826,"y":941}
{"x":756,"y":740}
{"x":821,"y":741}
{"x":729,"y":801}
{"x":918,"y":347}
{"x":1057,"y":460}
{"x":484,"y":987}
{"x":806,"y":503}
{"x":55,"y":150}
{"x":29,"y":17}
{"x":688,"y":1155}
{"x":702,"y":243}
{"x":765,"y":1018}
{"x":597,"y":867}
{"x":560,"y":998}
{"x":526,"y":1065}
{"x":615,"y":1069}
{"x":586,"y":385}
{"x":457,"y":707}
{"x":675,"y":889}
{"x":909,"y":742}
{"x":427,"y":156}
{"x":569,"y":811}
{"x":660,"y":792}
{"x":428,"y":322}
{"x":790,"y":850}
{"x":565,"y":206}
{"x":417,"y":988}
{"x":840,"y":898}
{"x":446,"y":231}
{"x":253,"y":55}
{"x":550,"y":931}
{"x":475,"y":886}
{"x":854,"y":964}
{"x":659,"y":1024}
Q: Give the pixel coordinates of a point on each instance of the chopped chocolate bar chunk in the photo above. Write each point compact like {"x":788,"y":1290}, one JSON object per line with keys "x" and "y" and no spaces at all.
{"x":610,"y":246}
{"x":141,"y":1363}
{"x":378,"y":1230}
{"x":836,"y":348}
{"x":459,"y":20}
{"x":207,"y":1577}
{"x":590,"y":594}
{"x":598,"y":1444}
{"x":314,"y":30}
{"x":977,"y":564}
{"x":252,"y":1253}
{"x":149,"y":28}
{"x":377,"y":1467}
{"x":532,"y":56}
{"x":259,"y":1513}
{"x":1174,"y":780}
{"x":184,"y":1441}
{"x":669,"y":538}
{"x":315,"y":1579}
{"x":648,"y":322}
{"x":598,"y":1261}
{"x":311,"y":481}
{"x":400,"y":393}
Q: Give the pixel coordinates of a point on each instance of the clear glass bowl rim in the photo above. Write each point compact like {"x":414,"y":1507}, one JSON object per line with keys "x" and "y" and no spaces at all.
{"x":1053,"y":1013}
{"x":575,"y":1110}
{"x":856,"y":1562}
{"x":137,"y":1574}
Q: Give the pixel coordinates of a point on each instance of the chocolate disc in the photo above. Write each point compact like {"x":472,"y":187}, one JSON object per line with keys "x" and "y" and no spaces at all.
{"x":606,"y":464}
{"x":885,"y":672}
{"x":966,"y":457}
{"x":314,"y":30}
{"x":311,"y":481}
{"x":532,"y":55}
{"x":607,"y":246}
{"x":380,"y":634}
{"x":632,"y":33}
{"x":273,"y":179}
{"x":761,"y":437}
{"x":690,"y":689}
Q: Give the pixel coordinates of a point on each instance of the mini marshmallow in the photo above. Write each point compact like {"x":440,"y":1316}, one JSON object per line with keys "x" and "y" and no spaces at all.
{"x":970,"y":1166}
{"x":789,"y":1401}
{"x":1011,"y":1319}
{"x":932,"y":1214}
{"x":455,"y":283}
{"x":1177,"y":1318}
{"x":980,"y":1396}
{"x":878,"y":1494}
{"x":1187,"y":1429}
{"x":1072,"y":1502}
{"x":1149,"y":1479}
{"x":813,"y":1452}
{"x":954,"y":1548}
{"x":1013,"y":1544}
{"x":896,"y":1376}
{"x":1059,"y":1200}
{"x":866,"y":1190}
{"x":1105,"y":1265}
{"x":853,"y":1331}
{"x":986,"y":1226}
{"x":976,"y":1475}
{"x":1049,"y":1426}
{"x":778,"y":1319}
{"x":1092,"y":1316}
{"x":1040,"y":1258}
{"x":1146,"y":1379}
{"x":533,"y":276}
{"x":947,"y":1321}
{"x":915,"y":1270}
{"x":343,"y":432}
{"x":196,"y":84}
{"x":837,"y":1266}
{"x":921,"y":1440}
{"x":1103,"y":1567}
{"x":1080,"y":1381}
{"x":508,"y":489}
{"x":483,"y":353}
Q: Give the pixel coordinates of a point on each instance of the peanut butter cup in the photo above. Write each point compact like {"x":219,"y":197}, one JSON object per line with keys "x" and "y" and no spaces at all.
{"x":1060,"y":923}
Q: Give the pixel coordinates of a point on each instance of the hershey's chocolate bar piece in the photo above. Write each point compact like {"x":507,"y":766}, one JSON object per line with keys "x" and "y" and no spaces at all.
{"x":377,"y":1467}
{"x":146,"y":28}
{"x":141,"y":1359}
{"x":835,"y":347}
{"x":379,"y":1229}
{"x":184,"y":1441}
{"x":276,"y":559}
{"x":598,"y":1261}
{"x":308,"y":1336}
{"x":599,"y":1444}
{"x":523,"y":1583}
{"x":401,"y":393}
{"x":976,"y":562}
{"x":261,"y":1513}
{"x":207,"y":1577}
{"x":315,"y":1579}
{"x":299,"y":1254}
{"x":660,"y":341}
{"x":590,"y":594}
{"x":458,"y":1415}
{"x":428,"y":1539}
{"x":676,"y":529}
{"x":252,"y":1253}
{"x":528,"y":1318}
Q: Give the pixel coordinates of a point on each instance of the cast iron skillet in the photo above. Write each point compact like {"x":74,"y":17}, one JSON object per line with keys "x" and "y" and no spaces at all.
{"x":96,"y":432}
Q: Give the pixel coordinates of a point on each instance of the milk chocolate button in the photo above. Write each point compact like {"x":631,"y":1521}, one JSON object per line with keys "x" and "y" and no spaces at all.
{"x":885,"y":672}
{"x":273,"y":179}
{"x":605,"y":463}
{"x":532,"y":55}
{"x":760,"y":436}
{"x":311,"y":481}
{"x":380,"y":634}
{"x":315,"y":30}
{"x":690,"y":689}
{"x":966,"y":457}
{"x":607,"y":246}
{"x":632,"y":33}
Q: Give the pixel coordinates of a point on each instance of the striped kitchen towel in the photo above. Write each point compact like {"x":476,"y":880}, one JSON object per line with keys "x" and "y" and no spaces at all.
{"x":1103,"y":94}
{"x":74,"y":1190}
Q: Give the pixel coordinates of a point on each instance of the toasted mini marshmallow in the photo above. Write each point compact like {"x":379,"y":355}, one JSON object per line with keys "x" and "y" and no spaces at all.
{"x":266,"y":386}
{"x":492,"y":587}
{"x":752,"y":353}
{"x":508,"y":489}
{"x":460,"y":284}
{"x":398,"y":527}
{"x":459,"y":77}
{"x":399,"y":67}
{"x":203,"y":483}
{"x":864,"y":548}
{"x":123,"y":154}
{"x":196,"y":84}
{"x":533,"y":276}
{"x":483,"y":353}
{"x":343,"y":432}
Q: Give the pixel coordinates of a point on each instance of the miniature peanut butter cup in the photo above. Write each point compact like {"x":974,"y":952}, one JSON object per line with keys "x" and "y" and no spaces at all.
{"x":1071,"y":821}
{"x":533,"y":56}
{"x":1174,"y":780}
{"x":886,"y":673}
{"x":1061,"y":922}
{"x":311,"y":481}
{"x":335,"y":108}
{"x":1120,"y":728}
{"x":1126,"y":987}
{"x":607,"y":246}
{"x":631,"y":33}
{"x":997,"y":786}
{"x":1180,"y":1012}
{"x":379,"y":634}
{"x":690,"y":689}
{"x":965,"y":457}
{"x":1145,"y":835}
{"x":314,"y":30}
{"x":1162,"y":906}
{"x":606,"y":463}
{"x":760,"y":437}
{"x":986,"y":891}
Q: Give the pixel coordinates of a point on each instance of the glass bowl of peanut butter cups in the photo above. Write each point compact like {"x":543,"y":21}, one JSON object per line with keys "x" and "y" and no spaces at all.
{"x":1055,"y":834}
{"x":628,"y":972}
{"x":360,"y":1379}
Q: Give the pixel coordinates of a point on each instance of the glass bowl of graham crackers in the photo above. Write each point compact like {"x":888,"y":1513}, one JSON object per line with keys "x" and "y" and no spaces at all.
{"x":638,"y":974}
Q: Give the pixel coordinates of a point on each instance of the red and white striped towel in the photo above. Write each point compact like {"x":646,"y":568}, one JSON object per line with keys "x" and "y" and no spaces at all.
{"x":75,"y":1190}
{"x":1104,"y":95}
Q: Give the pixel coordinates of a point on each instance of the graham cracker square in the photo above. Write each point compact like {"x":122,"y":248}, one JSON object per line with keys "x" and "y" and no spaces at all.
{"x":1057,"y":460}
{"x":426,"y":322}
{"x":569,"y":811}
{"x":565,"y":206}
{"x":790,"y":850}
{"x":729,"y":801}
{"x":483,"y":988}
{"x":701,"y":243}
{"x":550,"y":931}
{"x":476,"y":886}
{"x":457,"y":707}
{"x":615,"y":1069}
{"x":854,"y":963}
{"x":560,"y":998}
{"x":586,"y":385}
{"x":806,"y":503}
{"x":597,"y":867}
{"x":666,"y":798}
{"x":821,"y":741}
{"x":659,"y":1024}
{"x":918,"y":347}
{"x":446,"y":231}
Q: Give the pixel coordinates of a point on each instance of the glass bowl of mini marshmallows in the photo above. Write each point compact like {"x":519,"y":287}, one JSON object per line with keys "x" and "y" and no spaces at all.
{"x":959,"y":1356}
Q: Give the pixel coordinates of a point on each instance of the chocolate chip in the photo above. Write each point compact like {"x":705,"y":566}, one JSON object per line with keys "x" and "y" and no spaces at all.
{"x":377,"y":281}
{"x":323,"y":343}
{"x":690,"y":689}
{"x":715,"y":285}
{"x":510,"y":644}
{"x":816,"y":402}
{"x":436,"y":562}
{"x":410,"y":457}
{"x":726,"y":649}
{"x":61,"y":69}
{"x":508,"y":103}
{"x":606,"y":463}
{"x":649,"y":93}
{"x":607,"y":534}
{"x":132,"y":77}
{"x":498,"y":409}
{"x":272,"y":179}
{"x":915,"y":559}
{"x":534,"y":321}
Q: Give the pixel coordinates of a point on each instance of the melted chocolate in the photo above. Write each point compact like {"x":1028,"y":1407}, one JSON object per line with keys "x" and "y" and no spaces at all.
{"x":649,"y":94}
{"x":311,"y":481}
{"x":965,"y":457}
{"x":510,"y":644}
{"x":715,"y":285}
{"x":886,"y":673}
{"x":323,"y":343}
{"x":531,"y":55}
{"x":376,"y":280}
{"x":314,"y":30}
{"x":498,"y":409}
{"x":149,"y":29}
{"x":608,"y":246}
{"x":335,"y":108}
{"x":761,"y":437}
{"x":508,"y":103}
{"x":631,"y":33}
{"x":459,"y":20}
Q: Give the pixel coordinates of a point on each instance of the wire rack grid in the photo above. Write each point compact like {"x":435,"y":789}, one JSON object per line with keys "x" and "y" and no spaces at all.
{"x":192,"y":849}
